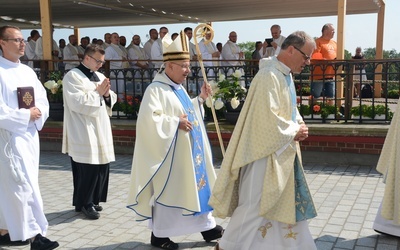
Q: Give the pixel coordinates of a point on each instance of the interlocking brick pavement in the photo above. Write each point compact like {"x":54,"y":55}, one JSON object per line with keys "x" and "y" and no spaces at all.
{"x":347,"y":199}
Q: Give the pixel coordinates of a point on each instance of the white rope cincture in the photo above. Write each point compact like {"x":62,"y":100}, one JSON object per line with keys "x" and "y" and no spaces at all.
{"x":15,"y":166}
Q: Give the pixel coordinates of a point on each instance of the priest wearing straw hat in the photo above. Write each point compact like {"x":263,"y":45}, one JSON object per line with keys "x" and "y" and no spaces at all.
{"x":172,"y":170}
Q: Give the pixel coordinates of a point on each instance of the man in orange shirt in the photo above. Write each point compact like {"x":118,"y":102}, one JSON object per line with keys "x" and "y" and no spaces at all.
{"x":323,"y":77}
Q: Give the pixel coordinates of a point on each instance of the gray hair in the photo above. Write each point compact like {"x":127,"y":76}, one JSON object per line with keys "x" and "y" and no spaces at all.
{"x":297,"y":39}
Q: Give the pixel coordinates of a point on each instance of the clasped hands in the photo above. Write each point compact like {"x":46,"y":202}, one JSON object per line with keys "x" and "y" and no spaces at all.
{"x":302,"y":134}
{"x":104,"y":88}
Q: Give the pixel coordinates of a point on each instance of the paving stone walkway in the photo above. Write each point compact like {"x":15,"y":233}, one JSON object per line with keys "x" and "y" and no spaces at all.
{"x":347,"y":199}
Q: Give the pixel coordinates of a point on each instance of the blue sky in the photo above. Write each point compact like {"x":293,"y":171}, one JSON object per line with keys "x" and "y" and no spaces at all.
{"x":360,"y":29}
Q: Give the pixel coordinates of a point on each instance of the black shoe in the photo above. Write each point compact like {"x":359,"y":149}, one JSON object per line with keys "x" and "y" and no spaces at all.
{"x":5,"y":240}
{"x":91,"y":213}
{"x":42,"y":243}
{"x":163,"y":243}
{"x":213,"y":234}
{"x":98,"y":208}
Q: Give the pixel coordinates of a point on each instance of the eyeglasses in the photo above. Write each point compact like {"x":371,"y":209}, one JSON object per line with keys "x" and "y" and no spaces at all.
{"x":307,"y":58}
{"x":97,"y":61}
{"x":183,"y":66}
{"x":17,"y":40}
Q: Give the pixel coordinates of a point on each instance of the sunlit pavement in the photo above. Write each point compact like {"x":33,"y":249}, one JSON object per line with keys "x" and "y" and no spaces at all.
{"x":347,"y":199}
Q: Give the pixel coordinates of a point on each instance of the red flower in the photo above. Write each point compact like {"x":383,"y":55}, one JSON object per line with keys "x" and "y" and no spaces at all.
{"x":316,"y":108}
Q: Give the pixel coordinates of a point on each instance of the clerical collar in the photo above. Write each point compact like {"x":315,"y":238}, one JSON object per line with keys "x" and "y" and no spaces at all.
{"x":172,"y":83}
{"x":88,"y":73}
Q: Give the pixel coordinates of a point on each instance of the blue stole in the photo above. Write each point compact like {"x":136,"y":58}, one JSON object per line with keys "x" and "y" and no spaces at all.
{"x":304,"y":204}
{"x":203,"y":186}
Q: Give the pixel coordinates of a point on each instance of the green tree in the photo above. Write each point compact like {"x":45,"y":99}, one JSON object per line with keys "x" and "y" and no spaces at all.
{"x":247,"y":48}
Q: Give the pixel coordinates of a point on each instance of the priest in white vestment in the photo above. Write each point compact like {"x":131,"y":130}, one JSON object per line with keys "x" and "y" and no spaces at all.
{"x":55,"y":52}
{"x":21,"y":206}
{"x":138,"y":58}
{"x":210,"y":55}
{"x":30,"y":49}
{"x":153,"y":36}
{"x":387,"y":220}
{"x":71,"y":53}
{"x":261,"y":184}
{"x":118,"y":62}
{"x":172,"y":169}
{"x":156,"y":53}
{"x":87,"y":135}
{"x":274,"y":47}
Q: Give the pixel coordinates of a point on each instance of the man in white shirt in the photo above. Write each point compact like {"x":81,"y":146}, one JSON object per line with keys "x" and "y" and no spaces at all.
{"x":30,"y":49}
{"x":138,"y":54}
{"x":71,"y":52}
{"x":118,"y":59}
{"x":157,"y":49}
{"x":192,"y":48}
{"x":209,"y":52}
{"x":273,"y":48}
{"x":107,"y":40}
{"x":231,"y":51}
{"x":55,"y":50}
{"x":153,"y":33}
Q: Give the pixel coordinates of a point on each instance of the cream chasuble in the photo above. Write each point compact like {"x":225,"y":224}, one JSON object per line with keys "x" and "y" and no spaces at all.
{"x":162,"y":169}
{"x":248,"y":145}
{"x":389,"y":166}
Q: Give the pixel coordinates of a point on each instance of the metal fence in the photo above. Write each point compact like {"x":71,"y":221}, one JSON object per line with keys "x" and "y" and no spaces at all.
{"x":350,"y":78}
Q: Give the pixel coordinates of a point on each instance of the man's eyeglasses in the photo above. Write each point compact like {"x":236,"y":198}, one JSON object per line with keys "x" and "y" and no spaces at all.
{"x":17,"y":40}
{"x":183,"y":66}
{"x":307,"y":58}
{"x":97,"y":61}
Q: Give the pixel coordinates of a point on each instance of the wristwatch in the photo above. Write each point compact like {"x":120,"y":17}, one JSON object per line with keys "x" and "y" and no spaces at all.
{"x":201,"y":100}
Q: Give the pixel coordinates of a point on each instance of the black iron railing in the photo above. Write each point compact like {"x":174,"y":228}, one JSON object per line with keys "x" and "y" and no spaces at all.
{"x":353,"y":100}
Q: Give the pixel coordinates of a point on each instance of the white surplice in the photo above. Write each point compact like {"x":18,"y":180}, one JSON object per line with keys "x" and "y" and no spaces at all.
{"x":87,"y":135}
{"x":206,"y":51}
{"x":71,"y":52}
{"x":157,"y":53}
{"x":21,"y":205}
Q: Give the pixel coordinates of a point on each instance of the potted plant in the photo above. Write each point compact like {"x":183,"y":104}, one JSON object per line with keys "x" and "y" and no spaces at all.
{"x":129,"y":106}
{"x":316,"y":108}
{"x":324,"y":111}
{"x":228,"y":91}
{"x":305,"y":110}
{"x":54,"y":88}
{"x":228,"y":94}
{"x":381,"y":111}
{"x":361,"y":111}
{"x":329,"y":111}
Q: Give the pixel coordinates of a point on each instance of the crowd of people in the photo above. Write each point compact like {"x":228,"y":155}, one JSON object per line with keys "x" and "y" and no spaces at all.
{"x":142,"y":55}
{"x":261,"y":184}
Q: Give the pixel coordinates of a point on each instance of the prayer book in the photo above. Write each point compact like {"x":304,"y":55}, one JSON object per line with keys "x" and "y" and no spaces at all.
{"x":26,"y":97}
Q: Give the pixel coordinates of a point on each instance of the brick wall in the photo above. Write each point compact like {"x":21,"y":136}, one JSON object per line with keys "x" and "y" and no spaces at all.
{"x":360,"y":139}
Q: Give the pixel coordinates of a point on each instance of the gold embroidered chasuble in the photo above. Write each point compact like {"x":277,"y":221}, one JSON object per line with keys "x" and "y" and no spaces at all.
{"x":389,"y":166}
{"x":269,"y":135}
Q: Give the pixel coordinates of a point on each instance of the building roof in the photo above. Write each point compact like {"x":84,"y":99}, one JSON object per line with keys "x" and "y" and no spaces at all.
{"x":98,"y":13}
